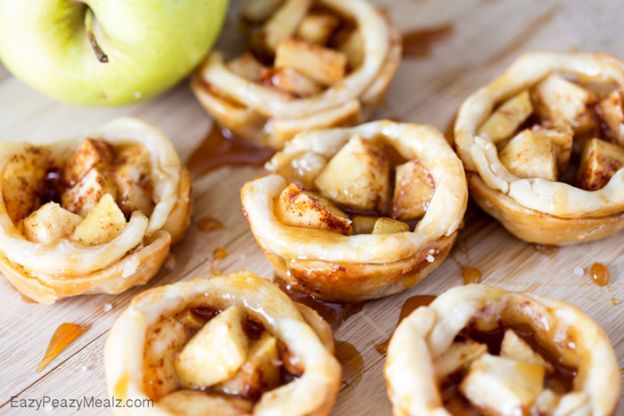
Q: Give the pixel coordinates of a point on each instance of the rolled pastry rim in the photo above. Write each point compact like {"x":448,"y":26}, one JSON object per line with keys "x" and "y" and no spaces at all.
{"x":68,"y":258}
{"x":479,"y":153}
{"x":433,"y":329}
{"x":443,"y":217}
{"x":380,"y":42}
{"x":263,"y":301}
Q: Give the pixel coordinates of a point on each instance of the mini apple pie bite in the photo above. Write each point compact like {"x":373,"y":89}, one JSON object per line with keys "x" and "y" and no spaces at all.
{"x":91,"y":215}
{"x":544,"y":146}
{"x":358,"y":213}
{"x":228,"y":345}
{"x":478,"y":350}
{"x":310,"y":64}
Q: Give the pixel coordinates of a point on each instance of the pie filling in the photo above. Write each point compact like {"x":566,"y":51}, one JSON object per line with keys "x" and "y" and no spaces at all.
{"x":85,"y":196}
{"x":365,"y":188}
{"x":297,"y":48}
{"x":561,"y":129}
{"x":500,"y":372}
{"x":202,"y":357}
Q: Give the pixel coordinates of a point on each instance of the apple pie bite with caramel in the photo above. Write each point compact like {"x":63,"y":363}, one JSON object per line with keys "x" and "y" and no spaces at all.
{"x":358,"y":213}
{"x":228,"y":345}
{"x":91,"y":215}
{"x":310,"y":64}
{"x":543,"y":145}
{"x":479,"y":350}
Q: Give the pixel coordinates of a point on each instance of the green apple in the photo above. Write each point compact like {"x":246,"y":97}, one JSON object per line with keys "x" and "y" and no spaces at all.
{"x":106,"y":52}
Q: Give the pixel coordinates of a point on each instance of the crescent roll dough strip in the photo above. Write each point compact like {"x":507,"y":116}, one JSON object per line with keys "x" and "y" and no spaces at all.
{"x":313,"y":393}
{"x":46,"y":272}
{"x":381,"y":50}
{"x":544,"y":196}
{"x":428,"y":332}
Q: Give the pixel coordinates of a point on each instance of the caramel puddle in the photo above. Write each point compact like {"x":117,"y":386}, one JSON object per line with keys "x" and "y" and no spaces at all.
{"x":351,"y":361}
{"x":64,"y":335}
{"x":471,"y":275}
{"x":219,"y":253}
{"x":419,"y":43}
{"x":599,"y":273}
{"x":208,"y":224}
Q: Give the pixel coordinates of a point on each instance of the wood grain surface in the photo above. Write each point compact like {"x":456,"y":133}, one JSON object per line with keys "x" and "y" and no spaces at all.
{"x":484,"y":37}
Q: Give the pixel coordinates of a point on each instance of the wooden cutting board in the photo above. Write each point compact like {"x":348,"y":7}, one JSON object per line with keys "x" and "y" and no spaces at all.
{"x":471,"y":41}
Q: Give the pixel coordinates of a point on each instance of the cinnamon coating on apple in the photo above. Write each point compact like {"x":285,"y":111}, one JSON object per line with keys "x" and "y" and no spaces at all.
{"x":310,"y":65}
{"x":358,"y":213}
{"x":90,"y":215}
{"x":482,"y":350}
{"x":543,"y":146}
{"x":231,"y":345}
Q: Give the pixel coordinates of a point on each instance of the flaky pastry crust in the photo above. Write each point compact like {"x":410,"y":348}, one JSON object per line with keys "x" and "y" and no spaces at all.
{"x":269,"y":117}
{"x":337,"y":267}
{"x":535,"y":209}
{"x":48,"y":272}
{"x":302,"y":330}
{"x":428,"y":332}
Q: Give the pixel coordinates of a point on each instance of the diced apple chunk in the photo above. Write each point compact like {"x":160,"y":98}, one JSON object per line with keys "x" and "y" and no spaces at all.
{"x":299,"y":208}
{"x":216,"y":352}
{"x":133,"y":179}
{"x":190,"y":319}
{"x":198,"y":403}
{"x":363,"y":224}
{"x":351,"y":44}
{"x":559,"y":99}
{"x":529,"y":156}
{"x":385,"y":225}
{"x":413,"y":190}
{"x":323,"y":65}
{"x":247,"y":66}
{"x":611,"y":112}
{"x":23,"y":182}
{"x":90,"y":154}
{"x":562,"y":137}
{"x":283,"y":23}
{"x":459,"y":356}
{"x":501,"y":386}
{"x":516,"y":348}
{"x":259,"y":373}
{"x":546,"y":403}
{"x":317,"y":27}
{"x":50,"y":223}
{"x":293,"y":82}
{"x":504,"y":122}
{"x":102,"y":224}
{"x":303,"y":168}
{"x":84,"y":195}
{"x":599,"y":162}
{"x":358,"y":176}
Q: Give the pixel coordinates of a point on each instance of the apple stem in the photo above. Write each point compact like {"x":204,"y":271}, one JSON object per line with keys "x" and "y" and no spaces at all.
{"x":99,"y":53}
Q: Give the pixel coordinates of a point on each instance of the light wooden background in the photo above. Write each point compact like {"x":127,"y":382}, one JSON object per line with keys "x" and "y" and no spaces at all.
{"x":487,"y":35}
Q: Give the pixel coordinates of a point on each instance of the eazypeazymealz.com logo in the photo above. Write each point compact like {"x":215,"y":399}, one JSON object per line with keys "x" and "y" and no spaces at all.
{"x":49,"y":404}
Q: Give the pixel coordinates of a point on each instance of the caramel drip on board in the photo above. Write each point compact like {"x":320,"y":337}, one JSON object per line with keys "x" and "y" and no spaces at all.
{"x":599,"y":273}
{"x":219,"y":253}
{"x":419,"y":43}
{"x":351,"y":361}
{"x":222,"y":148}
{"x":208,"y":224}
{"x":335,"y":314}
{"x":64,"y":335}
{"x":471,"y":275}
{"x":546,"y":250}
{"x":410,"y":305}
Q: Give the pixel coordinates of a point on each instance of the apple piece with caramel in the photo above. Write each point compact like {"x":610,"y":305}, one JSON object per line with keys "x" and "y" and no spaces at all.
{"x":216,"y":352}
{"x":528,"y":155}
{"x":611,"y":112}
{"x":558,"y":99}
{"x":518,"y":349}
{"x":385,"y":225}
{"x":562,"y":137}
{"x":90,"y":154}
{"x":317,"y":27}
{"x":599,"y":162}
{"x":299,"y":208}
{"x":358,"y":176}
{"x":413,"y":190}
{"x":50,"y":223}
{"x":132,"y":178}
{"x":87,"y":192}
{"x":103,"y":223}
{"x":507,"y":118}
{"x":323,"y":65}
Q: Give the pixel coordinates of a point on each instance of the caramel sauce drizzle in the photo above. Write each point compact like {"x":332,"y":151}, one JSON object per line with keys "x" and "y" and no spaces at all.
{"x":351,"y":361}
{"x":221,"y":148}
{"x":599,"y":273}
{"x":471,"y":275}
{"x":410,"y":305}
{"x":419,"y":43}
{"x":208,"y":224}
{"x":64,"y":335}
